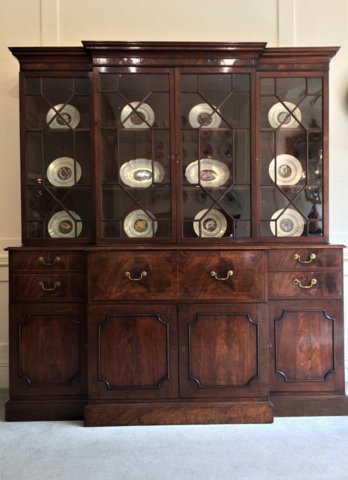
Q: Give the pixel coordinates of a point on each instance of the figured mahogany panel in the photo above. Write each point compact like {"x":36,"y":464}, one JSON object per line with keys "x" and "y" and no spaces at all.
{"x":45,"y":287}
{"x":47,"y":261}
{"x":308,"y":349}
{"x":220,"y":350}
{"x":217,"y":344}
{"x":222,"y":275}
{"x":132,"y":351}
{"x":311,"y":284}
{"x":133,"y":275}
{"x":304,"y":345}
{"x":304,"y":258}
{"x":47,"y":357}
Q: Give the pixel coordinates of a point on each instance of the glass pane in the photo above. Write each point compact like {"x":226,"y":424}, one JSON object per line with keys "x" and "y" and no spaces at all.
{"x":58,"y":213}
{"x":135,"y":155}
{"x":291,"y":156}
{"x":215,"y":119}
{"x":58,"y":157}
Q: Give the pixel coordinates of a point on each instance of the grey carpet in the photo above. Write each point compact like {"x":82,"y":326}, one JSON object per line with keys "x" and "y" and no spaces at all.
{"x":307,"y":448}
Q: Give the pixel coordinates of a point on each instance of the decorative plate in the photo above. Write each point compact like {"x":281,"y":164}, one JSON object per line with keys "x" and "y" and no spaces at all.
{"x":63,"y":116}
{"x":141,"y":173}
{"x":207,"y":172}
{"x":287,"y":223}
{"x":63,"y":172}
{"x":65,"y":224}
{"x":204,"y":115}
{"x":209,"y":223}
{"x":139,"y":223}
{"x":279,"y":115}
{"x":285,"y":170}
{"x":137,"y":115}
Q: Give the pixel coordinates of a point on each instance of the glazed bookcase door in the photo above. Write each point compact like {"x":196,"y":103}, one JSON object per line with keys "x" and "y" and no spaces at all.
{"x":215,"y":151}
{"x":56,"y":158}
{"x":292,"y":157}
{"x":134,"y":149}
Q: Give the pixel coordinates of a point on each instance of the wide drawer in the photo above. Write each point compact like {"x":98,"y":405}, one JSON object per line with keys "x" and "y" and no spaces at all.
{"x":133,"y":275}
{"x":222,"y":275}
{"x":304,"y":259}
{"x":46,"y":287}
{"x":312,"y":284}
{"x":46,"y":261}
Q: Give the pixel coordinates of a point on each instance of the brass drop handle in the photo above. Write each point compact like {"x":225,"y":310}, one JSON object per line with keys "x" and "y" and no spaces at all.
{"x":49,"y":289}
{"x":49,"y":263}
{"x":312,"y":257}
{"x":298,"y":282}
{"x":128,"y":275}
{"x":229,"y":274}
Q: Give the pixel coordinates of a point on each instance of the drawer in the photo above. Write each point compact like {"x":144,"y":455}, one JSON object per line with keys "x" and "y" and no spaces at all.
{"x":304,"y":258}
{"x":133,"y":275}
{"x":40,"y":286}
{"x":312,"y":284}
{"x":208,"y":275}
{"x":46,"y":261}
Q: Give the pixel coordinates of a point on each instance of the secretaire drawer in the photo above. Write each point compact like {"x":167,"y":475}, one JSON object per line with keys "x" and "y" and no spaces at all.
{"x":46,"y":261}
{"x":299,"y":284}
{"x":47,"y":287}
{"x":208,"y":275}
{"x":133,"y":275}
{"x":304,"y":258}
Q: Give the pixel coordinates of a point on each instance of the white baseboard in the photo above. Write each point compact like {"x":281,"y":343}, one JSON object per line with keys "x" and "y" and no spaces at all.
{"x":4,"y":366}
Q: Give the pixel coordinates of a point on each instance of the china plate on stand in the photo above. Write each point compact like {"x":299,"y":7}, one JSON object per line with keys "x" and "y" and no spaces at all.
{"x":63,"y":172}
{"x":63,"y":116}
{"x":209,"y":223}
{"x":287,"y":222}
{"x":65,"y":224}
{"x":207,"y":172}
{"x":139,"y":223}
{"x":137,"y":115}
{"x":141,"y":173}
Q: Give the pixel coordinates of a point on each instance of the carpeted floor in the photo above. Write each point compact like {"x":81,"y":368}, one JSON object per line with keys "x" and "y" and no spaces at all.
{"x":306,"y":448}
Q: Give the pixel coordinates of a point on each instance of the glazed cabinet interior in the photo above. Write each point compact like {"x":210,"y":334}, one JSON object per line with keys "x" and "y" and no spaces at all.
{"x":175,"y":265}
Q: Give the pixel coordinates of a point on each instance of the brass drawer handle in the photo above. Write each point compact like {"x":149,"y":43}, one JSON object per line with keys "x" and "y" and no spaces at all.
{"x":297,"y":282}
{"x":312,"y":257}
{"x":128,"y":275}
{"x":215,"y":275}
{"x":49,"y":289}
{"x":49,"y":263}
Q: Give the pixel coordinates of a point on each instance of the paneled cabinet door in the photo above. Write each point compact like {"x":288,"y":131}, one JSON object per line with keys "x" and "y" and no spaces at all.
{"x":47,"y":350}
{"x":223,"y":350}
{"x":132,"y":352}
{"x":308,"y":346}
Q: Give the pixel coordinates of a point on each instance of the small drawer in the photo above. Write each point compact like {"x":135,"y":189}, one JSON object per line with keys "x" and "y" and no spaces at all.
{"x":46,"y":261}
{"x":304,"y":258}
{"x":209,"y":275}
{"x":133,"y":275}
{"x":42,"y":287}
{"x":312,"y":284}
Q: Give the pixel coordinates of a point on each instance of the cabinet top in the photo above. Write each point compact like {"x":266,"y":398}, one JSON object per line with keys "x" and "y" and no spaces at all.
{"x":239,"y":54}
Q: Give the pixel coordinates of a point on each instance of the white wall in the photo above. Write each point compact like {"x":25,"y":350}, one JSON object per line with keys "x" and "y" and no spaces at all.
{"x":67,"y":22}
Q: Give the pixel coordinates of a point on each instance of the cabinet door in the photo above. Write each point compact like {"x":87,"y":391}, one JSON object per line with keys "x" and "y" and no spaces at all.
{"x":223,"y":350}
{"x":47,"y":350}
{"x":132,"y":352}
{"x":56,"y":158}
{"x":293,"y":155}
{"x":308,"y":346}
{"x":215,"y":135}
{"x":134,"y":146}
